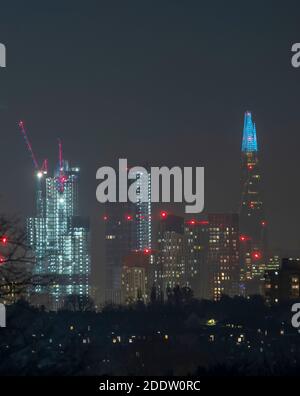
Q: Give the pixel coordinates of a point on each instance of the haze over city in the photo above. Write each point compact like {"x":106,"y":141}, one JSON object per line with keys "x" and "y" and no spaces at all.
{"x":120,"y":81}
{"x":143,"y":288}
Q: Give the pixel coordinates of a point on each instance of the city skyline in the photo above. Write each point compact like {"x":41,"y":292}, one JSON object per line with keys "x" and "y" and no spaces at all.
{"x":174,"y":90}
{"x":149,"y":196}
{"x":113,"y":110}
{"x":249,"y":145}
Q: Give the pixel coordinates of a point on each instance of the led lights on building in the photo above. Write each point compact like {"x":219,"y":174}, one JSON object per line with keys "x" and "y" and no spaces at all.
{"x":59,"y":238}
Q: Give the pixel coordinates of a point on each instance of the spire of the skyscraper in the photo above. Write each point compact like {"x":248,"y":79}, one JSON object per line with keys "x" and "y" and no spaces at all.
{"x":249,"y":143}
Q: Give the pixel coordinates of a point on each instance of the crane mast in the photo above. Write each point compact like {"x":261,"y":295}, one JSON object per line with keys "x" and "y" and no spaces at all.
{"x":62,"y":178}
{"x":40,"y":171}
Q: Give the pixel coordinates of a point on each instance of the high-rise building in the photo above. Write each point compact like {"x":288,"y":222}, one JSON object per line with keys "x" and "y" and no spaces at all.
{"x":128,"y":228}
{"x":196,"y":254}
{"x":135,"y":277}
{"x":283,"y":284}
{"x":274,"y":263}
{"x":223,"y":268}
{"x":143,"y":229}
{"x":252,"y":218}
{"x":120,"y":240}
{"x":59,"y":238}
{"x":170,"y":265}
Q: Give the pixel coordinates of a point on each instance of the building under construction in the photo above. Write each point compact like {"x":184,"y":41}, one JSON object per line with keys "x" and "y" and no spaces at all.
{"x":57,"y":234}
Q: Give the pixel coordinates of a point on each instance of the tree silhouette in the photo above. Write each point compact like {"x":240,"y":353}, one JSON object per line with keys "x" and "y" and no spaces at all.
{"x":75,"y":302}
{"x":16,"y":262}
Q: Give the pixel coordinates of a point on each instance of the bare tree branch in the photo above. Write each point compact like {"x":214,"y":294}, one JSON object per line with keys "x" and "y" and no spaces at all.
{"x":17,"y":262}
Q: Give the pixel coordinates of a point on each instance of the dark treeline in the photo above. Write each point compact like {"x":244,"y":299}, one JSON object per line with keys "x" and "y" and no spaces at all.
{"x":181,"y":336}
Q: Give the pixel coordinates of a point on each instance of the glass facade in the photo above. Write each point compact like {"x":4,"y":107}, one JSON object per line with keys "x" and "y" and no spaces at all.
{"x":59,"y":238}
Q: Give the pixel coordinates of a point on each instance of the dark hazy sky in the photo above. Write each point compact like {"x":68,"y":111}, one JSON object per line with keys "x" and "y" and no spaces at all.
{"x":165,"y":82}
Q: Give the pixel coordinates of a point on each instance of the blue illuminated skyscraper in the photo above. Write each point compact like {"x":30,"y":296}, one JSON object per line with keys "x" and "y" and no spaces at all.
{"x":249,"y":143}
{"x":252,"y":217}
{"x":59,"y":238}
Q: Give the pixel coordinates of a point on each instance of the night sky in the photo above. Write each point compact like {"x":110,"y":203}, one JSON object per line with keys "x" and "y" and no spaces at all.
{"x":164,"y":82}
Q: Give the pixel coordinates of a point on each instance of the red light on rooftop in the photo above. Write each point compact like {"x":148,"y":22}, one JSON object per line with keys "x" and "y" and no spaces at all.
{"x":128,"y":217}
{"x":195,"y":222}
{"x":2,"y":260}
{"x":256,"y":255}
{"x":250,"y":167}
{"x":163,"y":215}
{"x":244,"y":238}
{"x":204,"y":222}
{"x":4,"y":240}
{"x":105,"y":218}
{"x":264,"y":223}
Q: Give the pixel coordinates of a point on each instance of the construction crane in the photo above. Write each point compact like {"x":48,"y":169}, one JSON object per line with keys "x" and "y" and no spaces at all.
{"x":62,"y":178}
{"x":40,"y":170}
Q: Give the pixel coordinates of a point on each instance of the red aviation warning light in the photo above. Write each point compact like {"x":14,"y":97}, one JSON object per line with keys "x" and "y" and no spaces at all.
{"x":256,"y":255}
{"x":244,"y":238}
{"x":163,"y":214}
{"x":128,"y":217}
{"x":4,"y":240}
{"x":264,"y":223}
{"x":204,"y":222}
{"x":192,"y":222}
{"x":197,"y":222}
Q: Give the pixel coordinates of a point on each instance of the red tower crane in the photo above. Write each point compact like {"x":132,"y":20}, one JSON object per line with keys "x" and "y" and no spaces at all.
{"x":62,"y":178}
{"x":40,"y":170}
